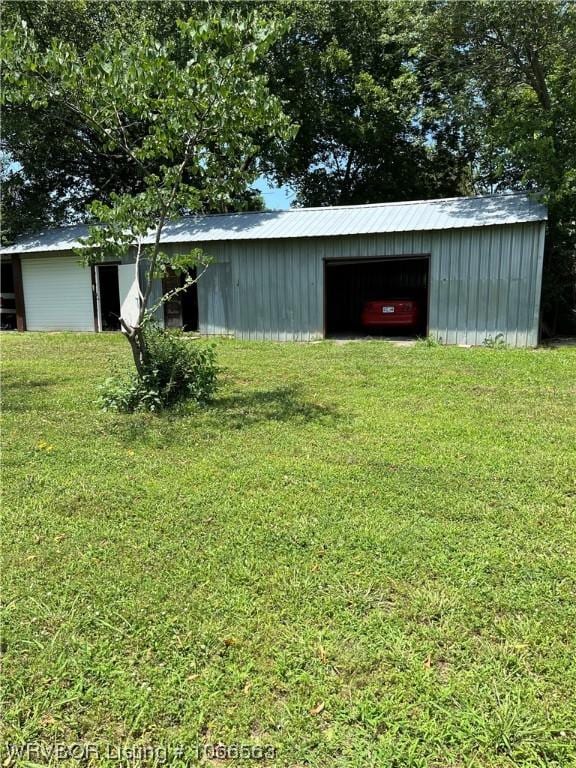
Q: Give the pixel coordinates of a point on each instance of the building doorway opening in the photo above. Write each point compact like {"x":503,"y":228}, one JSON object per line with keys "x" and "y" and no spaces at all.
{"x":107,"y":297}
{"x":182,"y":310}
{"x":376,"y":297}
{"x":7,"y":298}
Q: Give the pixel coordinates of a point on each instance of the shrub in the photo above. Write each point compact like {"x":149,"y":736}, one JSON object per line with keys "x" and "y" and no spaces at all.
{"x":497,"y":342}
{"x":177,"y":369}
{"x":429,"y":341}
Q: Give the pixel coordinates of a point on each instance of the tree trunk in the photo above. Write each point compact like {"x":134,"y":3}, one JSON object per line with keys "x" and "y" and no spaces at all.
{"x":138,"y":347}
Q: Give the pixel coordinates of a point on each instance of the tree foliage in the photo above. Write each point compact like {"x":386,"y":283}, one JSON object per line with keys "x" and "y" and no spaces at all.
{"x":182,"y":113}
{"x":347,"y":74}
{"x":501,"y":74}
{"x":55,"y":164}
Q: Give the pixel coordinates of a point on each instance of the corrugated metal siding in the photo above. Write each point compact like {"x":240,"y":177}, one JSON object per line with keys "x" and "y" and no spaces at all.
{"x":483,"y":282}
{"x":277,"y":291}
{"x":57,"y":294}
{"x":215,"y":300}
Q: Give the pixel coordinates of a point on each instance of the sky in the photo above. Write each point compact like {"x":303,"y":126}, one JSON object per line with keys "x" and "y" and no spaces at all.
{"x":275,"y":198}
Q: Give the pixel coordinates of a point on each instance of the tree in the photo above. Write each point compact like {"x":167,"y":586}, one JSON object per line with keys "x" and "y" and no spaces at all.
{"x":346,"y":72}
{"x":182,"y":113}
{"x":55,"y":163}
{"x":501,"y":76}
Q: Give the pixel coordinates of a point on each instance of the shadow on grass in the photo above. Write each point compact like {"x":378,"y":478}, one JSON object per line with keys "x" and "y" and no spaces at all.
{"x":18,"y":393}
{"x":284,"y":404}
{"x":229,"y":412}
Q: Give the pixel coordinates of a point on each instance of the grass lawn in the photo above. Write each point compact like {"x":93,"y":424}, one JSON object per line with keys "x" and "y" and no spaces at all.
{"x":361,"y":555}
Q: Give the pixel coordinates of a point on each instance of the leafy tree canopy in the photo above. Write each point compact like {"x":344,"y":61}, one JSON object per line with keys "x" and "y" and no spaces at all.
{"x":55,"y":163}
{"x":185,"y":115}
{"x":347,"y":74}
{"x":501,"y":75}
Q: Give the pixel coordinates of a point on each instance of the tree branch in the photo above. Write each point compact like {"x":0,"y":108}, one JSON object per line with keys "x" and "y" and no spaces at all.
{"x":176,"y":291}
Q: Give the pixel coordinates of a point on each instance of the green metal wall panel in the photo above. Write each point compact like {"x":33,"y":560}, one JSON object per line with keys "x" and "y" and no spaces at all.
{"x":483,"y":281}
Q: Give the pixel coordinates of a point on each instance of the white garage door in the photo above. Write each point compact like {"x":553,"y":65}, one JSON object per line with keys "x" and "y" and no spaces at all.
{"x":57,"y":294}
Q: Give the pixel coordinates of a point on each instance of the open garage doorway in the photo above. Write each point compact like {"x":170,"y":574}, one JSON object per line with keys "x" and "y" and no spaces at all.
{"x":376,"y":297}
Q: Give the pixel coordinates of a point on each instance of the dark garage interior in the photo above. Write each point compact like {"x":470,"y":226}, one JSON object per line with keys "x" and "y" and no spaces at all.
{"x":182,"y":309}
{"x":109,"y":297}
{"x":190,"y":305}
{"x":7,"y":298}
{"x":350,"y":284}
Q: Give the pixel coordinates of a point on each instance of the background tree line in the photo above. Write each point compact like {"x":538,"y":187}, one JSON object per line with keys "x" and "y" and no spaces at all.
{"x":394,"y":101}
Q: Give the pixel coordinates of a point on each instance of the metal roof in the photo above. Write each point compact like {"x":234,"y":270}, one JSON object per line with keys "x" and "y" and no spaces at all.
{"x":420,"y":215}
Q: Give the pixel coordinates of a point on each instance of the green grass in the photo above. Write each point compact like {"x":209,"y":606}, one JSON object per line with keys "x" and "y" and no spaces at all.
{"x":362,"y":555}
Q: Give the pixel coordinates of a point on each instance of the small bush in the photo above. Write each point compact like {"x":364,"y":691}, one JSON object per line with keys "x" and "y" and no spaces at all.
{"x":496,"y":342}
{"x":130,"y":393}
{"x":178,"y":369}
{"x":429,"y":341}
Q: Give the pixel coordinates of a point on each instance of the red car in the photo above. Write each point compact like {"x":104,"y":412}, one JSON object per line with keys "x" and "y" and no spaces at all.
{"x":389,"y":313}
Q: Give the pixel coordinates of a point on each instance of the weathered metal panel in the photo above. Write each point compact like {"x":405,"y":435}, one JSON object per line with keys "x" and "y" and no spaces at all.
{"x":514,"y":285}
{"x":503,"y":271}
{"x":454,"y":286}
{"x":329,"y":221}
{"x":494,"y":260}
{"x":534,"y":304}
{"x":440,"y":318}
{"x":214,"y":299}
{"x":463,"y":287}
{"x":482,"y":282}
{"x":276,"y":291}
